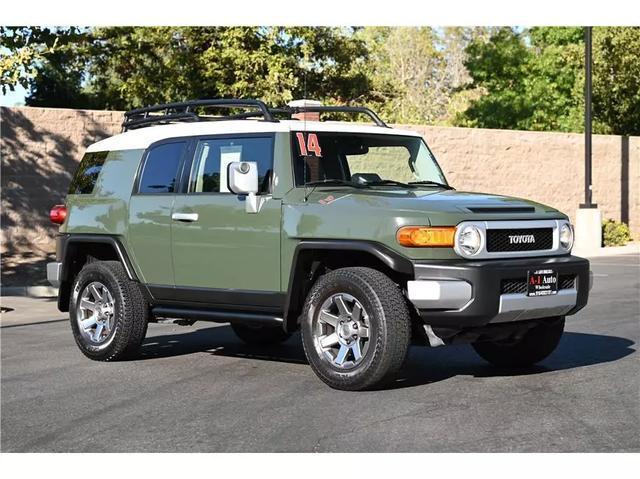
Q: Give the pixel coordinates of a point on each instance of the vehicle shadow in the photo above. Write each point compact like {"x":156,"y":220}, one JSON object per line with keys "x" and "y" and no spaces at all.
{"x":220,"y":341}
{"x":428,"y":365}
{"x":424,"y":365}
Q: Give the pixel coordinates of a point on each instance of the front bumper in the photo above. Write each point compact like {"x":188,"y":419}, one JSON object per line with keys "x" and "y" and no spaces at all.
{"x":472,"y":293}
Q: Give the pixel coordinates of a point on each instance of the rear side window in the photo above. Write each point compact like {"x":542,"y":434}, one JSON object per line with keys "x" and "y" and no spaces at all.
{"x":160,"y":171}
{"x":84,"y":181}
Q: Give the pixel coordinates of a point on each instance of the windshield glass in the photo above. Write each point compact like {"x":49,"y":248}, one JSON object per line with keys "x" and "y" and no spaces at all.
{"x":320,"y":157}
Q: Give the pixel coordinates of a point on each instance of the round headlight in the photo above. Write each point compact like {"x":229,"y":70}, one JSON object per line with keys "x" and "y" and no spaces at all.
{"x":469,"y":240}
{"x":566,"y":236}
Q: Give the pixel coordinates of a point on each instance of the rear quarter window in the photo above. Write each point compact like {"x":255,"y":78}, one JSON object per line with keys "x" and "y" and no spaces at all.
{"x":86,"y":177}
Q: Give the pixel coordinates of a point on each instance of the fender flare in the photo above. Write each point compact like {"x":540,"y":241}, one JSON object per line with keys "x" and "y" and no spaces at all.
{"x":65,"y":245}
{"x":294,"y":300}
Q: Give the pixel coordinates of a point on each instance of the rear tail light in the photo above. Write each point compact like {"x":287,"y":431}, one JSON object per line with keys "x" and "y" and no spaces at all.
{"x":58,"y":214}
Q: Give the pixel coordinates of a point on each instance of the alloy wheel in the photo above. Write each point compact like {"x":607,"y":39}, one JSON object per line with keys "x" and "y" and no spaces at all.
{"x":341,"y":331}
{"x":95,"y":313}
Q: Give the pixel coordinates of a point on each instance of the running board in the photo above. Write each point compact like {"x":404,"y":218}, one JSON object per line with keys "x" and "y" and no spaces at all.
{"x":214,"y":316}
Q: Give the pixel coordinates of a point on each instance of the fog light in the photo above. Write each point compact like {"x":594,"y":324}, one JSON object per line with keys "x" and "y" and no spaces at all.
{"x":469,"y":240}
{"x":566,"y":236}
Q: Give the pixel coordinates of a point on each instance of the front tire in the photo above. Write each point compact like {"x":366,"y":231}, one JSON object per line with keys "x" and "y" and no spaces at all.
{"x":108,"y":312}
{"x":536,"y":344}
{"x":355,"y":328}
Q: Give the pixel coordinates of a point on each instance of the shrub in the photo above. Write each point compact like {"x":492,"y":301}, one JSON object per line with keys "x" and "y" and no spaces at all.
{"x":615,"y":233}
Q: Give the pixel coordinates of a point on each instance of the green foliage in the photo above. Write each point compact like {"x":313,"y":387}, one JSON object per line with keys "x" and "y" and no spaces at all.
{"x":616,"y":83}
{"x":508,"y":78}
{"x":497,"y":66}
{"x":615,"y":233}
{"x":530,"y":81}
{"x":534,"y":80}
{"x":129,"y":67}
{"x":415,"y":72}
{"x":24,"y":49}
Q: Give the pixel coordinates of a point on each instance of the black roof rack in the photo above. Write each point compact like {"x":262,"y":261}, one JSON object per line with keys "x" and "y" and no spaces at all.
{"x":184,"y":111}
{"x":334,"y":109}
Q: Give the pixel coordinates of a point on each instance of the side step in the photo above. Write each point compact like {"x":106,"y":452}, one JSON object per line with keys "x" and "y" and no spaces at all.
{"x":215,"y":316}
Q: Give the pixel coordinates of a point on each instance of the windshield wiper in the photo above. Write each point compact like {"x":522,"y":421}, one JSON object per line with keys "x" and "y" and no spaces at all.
{"x":434,"y":183}
{"x":390,"y":182}
{"x":334,"y":181}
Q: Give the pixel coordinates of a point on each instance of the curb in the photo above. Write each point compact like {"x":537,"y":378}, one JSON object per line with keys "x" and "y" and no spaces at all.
{"x":30,"y":291}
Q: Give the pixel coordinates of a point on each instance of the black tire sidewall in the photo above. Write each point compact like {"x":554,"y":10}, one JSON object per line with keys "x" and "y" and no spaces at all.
{"x":99,"y":272}
{"x":370,"y":370}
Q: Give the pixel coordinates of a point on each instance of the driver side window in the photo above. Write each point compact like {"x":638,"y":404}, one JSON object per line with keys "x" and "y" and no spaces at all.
{"x":212,"y":158}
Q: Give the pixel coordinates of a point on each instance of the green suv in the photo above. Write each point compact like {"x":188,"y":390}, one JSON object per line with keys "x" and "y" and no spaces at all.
{"x":271,"y":222}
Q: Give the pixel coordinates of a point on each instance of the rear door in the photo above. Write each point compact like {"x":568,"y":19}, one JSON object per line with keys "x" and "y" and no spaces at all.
{"x":150,"y":211}
{"x":222,"y":254}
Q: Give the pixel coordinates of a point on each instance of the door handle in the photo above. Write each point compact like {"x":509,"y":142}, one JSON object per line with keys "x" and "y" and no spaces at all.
{"x":188,"y":217}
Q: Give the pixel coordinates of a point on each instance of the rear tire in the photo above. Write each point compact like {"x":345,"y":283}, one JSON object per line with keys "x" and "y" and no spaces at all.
{"x":108,"y":312}
{"x":260,"y":335}
{"x":537,"y":344}
{"x":355,"y":328}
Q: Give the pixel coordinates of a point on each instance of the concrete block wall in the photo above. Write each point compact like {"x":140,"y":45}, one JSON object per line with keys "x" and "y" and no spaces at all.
{"x":40,"y":149}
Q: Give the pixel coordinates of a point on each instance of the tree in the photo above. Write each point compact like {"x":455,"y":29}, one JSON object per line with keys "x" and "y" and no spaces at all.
{"x":24,"y":49}
{"x":530,"y":79}
{"x":534,"y":80}
{"x":616,"y":82}
{"x":129,"y":67}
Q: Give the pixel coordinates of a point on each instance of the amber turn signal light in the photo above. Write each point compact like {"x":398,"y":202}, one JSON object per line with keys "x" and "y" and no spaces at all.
{"x":427,"y":236}
{"x":58,"y":214}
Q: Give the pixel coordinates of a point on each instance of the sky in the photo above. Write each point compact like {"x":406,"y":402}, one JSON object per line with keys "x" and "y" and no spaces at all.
{"x":14,"y":98}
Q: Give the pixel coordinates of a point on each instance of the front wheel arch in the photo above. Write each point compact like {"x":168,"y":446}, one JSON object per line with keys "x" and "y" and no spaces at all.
{"x":313,"y":258}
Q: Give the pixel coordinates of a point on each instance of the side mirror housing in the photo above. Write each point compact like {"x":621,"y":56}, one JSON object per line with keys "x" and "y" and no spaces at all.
{"x":242,"y":179}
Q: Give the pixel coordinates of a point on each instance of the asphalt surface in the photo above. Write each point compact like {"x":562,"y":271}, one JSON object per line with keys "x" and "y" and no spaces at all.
{"x":199,"y":388}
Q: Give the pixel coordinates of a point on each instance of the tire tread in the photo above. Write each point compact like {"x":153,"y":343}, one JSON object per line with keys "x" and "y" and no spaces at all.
{"x":391,"y":347}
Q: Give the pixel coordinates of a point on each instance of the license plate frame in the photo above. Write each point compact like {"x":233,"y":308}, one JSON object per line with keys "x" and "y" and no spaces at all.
{"x":542,"y":282}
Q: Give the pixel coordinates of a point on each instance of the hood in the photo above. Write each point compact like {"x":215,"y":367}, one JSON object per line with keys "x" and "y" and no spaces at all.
{"x":467,"y":205}
{"x":376,"y":214}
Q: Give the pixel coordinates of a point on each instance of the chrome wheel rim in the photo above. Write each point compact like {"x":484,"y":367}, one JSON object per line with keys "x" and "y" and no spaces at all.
{"x":95,"y":313}
{"x":341,"y":331}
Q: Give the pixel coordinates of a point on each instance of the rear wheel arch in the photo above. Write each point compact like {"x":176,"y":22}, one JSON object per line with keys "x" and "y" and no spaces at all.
{"x":313,"y":258}
{"x":76,"y":251}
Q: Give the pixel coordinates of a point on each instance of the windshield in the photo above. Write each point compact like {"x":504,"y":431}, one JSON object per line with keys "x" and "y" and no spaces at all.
{"x":343,"y":159}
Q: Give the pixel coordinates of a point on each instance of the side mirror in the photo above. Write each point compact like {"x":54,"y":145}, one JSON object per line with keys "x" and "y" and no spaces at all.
{"x":242,"y":179}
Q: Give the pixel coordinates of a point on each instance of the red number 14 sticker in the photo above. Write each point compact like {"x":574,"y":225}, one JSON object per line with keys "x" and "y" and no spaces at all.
{"x":310,"y":145}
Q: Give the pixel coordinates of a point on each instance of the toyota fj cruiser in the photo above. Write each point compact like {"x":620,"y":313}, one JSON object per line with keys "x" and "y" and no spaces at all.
{"x":273,"y":223}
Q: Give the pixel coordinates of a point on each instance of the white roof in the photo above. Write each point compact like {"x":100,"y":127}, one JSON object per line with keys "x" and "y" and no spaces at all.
{"x":143,"y":137}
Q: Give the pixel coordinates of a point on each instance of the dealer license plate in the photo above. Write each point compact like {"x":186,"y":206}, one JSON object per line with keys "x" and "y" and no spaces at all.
{"x":542,"y":282}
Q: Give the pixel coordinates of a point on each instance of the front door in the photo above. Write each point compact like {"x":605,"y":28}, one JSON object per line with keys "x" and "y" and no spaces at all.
{"x":221,"y":254}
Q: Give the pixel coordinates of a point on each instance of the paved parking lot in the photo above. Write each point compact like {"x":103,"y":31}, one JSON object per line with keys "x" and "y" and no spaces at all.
{"x":199,"y":388}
